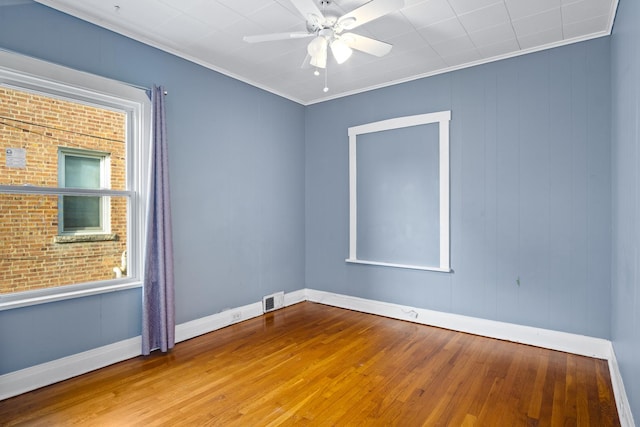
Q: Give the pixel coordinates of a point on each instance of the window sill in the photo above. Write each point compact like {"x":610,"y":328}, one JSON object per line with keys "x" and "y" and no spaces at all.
{"x":29,"y":298}
{"x":83,"y":238}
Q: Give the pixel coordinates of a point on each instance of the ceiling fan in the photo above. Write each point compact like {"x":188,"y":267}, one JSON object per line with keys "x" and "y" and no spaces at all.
{"x":328,"y":30}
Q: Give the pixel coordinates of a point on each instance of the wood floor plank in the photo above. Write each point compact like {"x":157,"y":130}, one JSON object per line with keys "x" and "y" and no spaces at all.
{"x":316,"y":365}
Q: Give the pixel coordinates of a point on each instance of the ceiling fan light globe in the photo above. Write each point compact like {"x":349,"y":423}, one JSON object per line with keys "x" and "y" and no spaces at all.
{"x":317,"y":49}
{"x":317,"y":46}
{"x":320,"y":60}
{"x":341,"y":52}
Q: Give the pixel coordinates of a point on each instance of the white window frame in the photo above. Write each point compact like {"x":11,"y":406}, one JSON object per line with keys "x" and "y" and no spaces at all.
{"x":442,"y":118}
{"x":105,"y":165}
{"x":29,"y":74}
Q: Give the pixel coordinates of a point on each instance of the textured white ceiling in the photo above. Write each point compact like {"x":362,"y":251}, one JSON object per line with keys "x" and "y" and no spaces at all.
{"x":428,"y":36}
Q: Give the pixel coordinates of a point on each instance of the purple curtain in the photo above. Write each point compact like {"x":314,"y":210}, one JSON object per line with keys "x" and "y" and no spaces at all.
{"x":158,"y":323}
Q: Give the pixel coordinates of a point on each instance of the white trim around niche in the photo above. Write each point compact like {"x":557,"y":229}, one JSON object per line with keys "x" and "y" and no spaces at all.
{"x":442,"y":118}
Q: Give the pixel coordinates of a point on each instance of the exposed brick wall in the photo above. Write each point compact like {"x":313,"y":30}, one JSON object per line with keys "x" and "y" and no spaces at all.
{"x":29,"y":257}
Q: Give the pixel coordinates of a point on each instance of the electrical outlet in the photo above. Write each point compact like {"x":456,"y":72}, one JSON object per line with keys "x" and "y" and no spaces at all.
{"x":235,"y":317}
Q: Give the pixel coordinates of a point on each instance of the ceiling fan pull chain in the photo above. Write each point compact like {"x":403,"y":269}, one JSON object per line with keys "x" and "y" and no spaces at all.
{"x":326,"y":88}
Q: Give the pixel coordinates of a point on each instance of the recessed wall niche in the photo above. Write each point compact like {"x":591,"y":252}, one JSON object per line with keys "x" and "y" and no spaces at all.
{"x":399,"y":192}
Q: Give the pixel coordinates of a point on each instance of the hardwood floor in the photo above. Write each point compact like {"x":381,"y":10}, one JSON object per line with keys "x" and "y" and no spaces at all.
{"x":311,"y":364}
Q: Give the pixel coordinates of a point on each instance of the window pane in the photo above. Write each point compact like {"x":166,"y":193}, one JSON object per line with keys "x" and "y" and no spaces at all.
{"x":33,"y":255}
{"x":81,"y":172}
{"x":34,"y":127}
{"x":81,"y":212}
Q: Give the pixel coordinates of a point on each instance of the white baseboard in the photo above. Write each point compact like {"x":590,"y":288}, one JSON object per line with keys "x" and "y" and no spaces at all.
{"x":204,"y":325}
{"x":295,"y":297}
{"x":24,"y":380}
{"x":545,"y":338}
{"x":622,"y":401}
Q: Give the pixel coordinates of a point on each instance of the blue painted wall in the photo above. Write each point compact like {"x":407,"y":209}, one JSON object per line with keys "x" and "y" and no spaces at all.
{"x":237,"y":177}
{"x":625,"y":324}
{"x":530,"y":191}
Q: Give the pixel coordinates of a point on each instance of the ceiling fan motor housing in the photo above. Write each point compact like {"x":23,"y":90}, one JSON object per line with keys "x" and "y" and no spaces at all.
{"x":316,"y":23}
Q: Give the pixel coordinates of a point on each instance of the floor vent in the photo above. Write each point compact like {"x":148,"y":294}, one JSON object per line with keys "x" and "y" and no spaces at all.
{"x":273,"y":302}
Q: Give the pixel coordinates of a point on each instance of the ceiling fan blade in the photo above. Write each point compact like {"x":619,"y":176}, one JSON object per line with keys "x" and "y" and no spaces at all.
{"x":366,"y":44}
{"x":276,"y":36}
{"x":368,"y":12}
{"x":307,"y":8}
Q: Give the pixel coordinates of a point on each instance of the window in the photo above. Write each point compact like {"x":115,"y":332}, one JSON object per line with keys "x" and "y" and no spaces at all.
{"x":74,"y":150}
{"x":83,"y":214}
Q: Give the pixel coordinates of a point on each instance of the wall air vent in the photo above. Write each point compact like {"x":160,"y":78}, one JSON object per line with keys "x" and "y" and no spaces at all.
{"x":272,"y":302}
